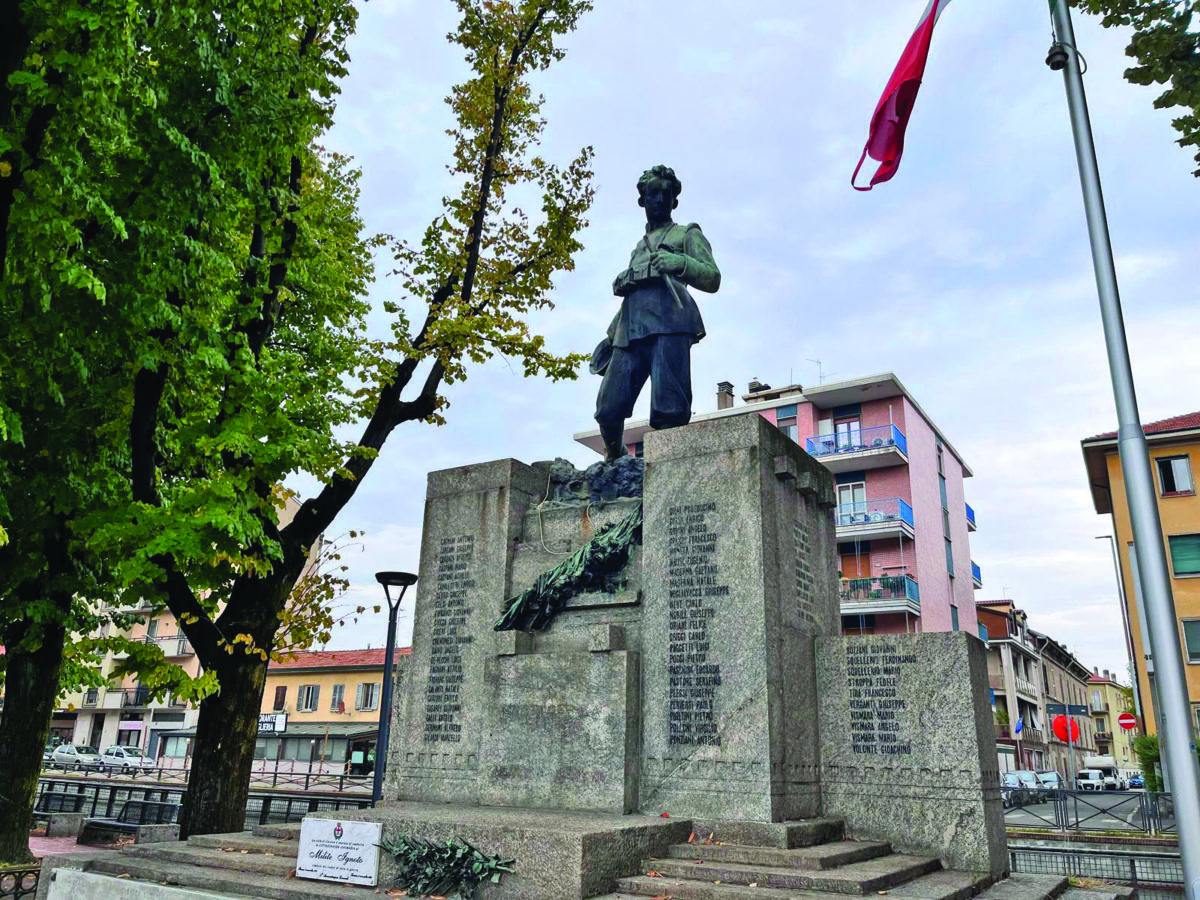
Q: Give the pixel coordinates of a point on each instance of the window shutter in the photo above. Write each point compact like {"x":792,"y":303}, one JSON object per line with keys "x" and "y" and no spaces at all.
{"x":358,"y":698}
{"x":1191,"y":637}
{"x":316,"y":696}
{"x":1185,"y":554}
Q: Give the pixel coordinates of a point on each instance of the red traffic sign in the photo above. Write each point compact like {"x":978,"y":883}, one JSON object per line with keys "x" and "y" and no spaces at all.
{"x":1060,"y":728}
{"x":1127,"y":720}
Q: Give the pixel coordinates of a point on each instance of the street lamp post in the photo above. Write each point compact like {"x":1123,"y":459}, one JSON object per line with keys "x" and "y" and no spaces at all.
{"x":402,"y":580}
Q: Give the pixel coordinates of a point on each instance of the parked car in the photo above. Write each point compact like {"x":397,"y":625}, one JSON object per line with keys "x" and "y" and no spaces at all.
{"x":127,"y":760}
{"x":1051,"y":781}
{"x":76,"y":756}
{"x":1090,"y":780}
{"x":1137,"y":781}
{"x":1035,"y":790}
{"x":1013,"y":792}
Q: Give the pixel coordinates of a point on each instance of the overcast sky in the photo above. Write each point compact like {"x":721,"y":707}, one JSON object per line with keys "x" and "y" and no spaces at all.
{"x":968,"y":275}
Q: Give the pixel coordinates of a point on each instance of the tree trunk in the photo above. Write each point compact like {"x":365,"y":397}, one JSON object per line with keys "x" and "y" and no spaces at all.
{"x":223,"y":752}
{"x":30,"y":690}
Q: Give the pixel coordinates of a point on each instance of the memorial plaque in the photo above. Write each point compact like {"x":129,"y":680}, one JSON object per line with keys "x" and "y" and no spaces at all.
{"x":472,"y":516}
{"x":907,"y":749}
{"x":339,"y":850}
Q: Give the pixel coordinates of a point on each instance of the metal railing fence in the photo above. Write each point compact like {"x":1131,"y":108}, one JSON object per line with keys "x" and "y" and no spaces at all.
{"x":18,"y":882}
{"x":104,"y":800}
{"x":1155,"y":875}
{"x":1139,"y":812}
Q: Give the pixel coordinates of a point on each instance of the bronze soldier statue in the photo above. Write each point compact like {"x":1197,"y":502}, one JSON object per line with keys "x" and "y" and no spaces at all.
{"x":652,"y":334}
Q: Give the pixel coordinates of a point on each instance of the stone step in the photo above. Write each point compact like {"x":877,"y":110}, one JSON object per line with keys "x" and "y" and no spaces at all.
{"x":222,"y":881}
{"x":290,"y":831}
{"x":856,"y":878}
{"x":1103,"y":892}
{"x":945,"y":885}
{"x":1027,"y":887}
{"x":677,"y":889}
{"x":822,"y":856}
{"x":246,"y":840}
{"x":237,"y":861}
{"x":784,"y":835}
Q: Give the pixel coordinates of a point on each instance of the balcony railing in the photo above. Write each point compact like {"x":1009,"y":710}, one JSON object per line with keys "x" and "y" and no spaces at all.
{"x":1026,"y":686}
{"x":133,"y":697}
{"x":889,"y":587}
{"x":172,"y":644}
{"x":976,"y":575}
{"x":874,"y":512}
{"x":1104,"y":735}
{"x":971,"y":526}
{"x":878,"y":437}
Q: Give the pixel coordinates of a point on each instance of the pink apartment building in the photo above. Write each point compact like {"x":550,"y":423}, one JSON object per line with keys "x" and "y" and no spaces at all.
{"x":903,"y":523}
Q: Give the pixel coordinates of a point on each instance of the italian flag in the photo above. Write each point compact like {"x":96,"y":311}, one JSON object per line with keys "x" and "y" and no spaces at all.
{"x":886,"y":140}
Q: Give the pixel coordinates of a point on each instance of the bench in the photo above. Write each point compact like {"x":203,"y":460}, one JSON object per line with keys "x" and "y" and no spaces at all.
{"x":147,"y":820}
{"x":60,"y":802}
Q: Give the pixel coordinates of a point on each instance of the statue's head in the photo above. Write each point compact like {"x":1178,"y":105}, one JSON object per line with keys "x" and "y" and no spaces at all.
{"x":658,"y":192}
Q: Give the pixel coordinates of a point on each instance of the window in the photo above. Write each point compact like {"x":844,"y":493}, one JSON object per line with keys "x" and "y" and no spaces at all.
{"x":1185,"y":554}
{"x":849,"y":433}
{"x":941,"y":460}
{"x":1174,"y":475}
{"x":280,"y":698}
{"x":368,"y":696}
{"x":1191,"y":638}
{"x":176,"y":746}
{"x":337,"y":702}
{"x":852,"y":503}
{"x":306,"y":698}
{"x":128,"y":738}
{"x":949,"y":556}
{"x":639,"y":449}
{"x":785,"y":420}
{"x":858,"y":624}
{"x":954,"y":617}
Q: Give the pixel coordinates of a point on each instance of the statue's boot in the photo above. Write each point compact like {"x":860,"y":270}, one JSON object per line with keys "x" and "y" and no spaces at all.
{"x":614,"y":448}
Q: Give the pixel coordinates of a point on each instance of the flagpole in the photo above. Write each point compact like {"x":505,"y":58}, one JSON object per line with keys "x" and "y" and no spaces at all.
{"x":1178,"y":748}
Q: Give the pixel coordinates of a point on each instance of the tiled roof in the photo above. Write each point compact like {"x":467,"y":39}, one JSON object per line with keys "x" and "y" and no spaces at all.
{"x":1175,"y":423}
{"x":337,"y":659}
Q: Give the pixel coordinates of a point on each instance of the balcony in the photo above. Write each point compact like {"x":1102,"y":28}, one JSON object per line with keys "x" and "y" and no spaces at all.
{"x":1026,"y":687}
{"x":865,"y":448}
{"x":971,"y":526}
{"x":172,"y":645}
{"x":874,"y":519}
{"x":889,"y":594}
{"x":1106,"y":736}
{"x":133,"y":698}
{"x":976,"y":576}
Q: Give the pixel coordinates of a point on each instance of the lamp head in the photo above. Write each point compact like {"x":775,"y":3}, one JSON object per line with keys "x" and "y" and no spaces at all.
{"x":396,"y":579}
{"x":1056,"y":59}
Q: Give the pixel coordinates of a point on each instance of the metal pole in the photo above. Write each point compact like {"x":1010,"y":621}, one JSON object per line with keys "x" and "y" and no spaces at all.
{"x":385,"y":712}
{"x":1178,"y":749}
{"x":1133,"y":666}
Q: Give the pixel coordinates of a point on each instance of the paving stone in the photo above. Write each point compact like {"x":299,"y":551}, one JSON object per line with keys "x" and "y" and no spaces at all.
{"x":1027,"y":887}
{"x":223,"y":881}
{"x":943,"y":886}
{"x":248,"y":841}
{"x":260,"y":863}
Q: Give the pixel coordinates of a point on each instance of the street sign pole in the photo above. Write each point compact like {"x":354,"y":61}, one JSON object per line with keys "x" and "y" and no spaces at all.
{"x":1071,"y":750}
{"x":1179,"y":749}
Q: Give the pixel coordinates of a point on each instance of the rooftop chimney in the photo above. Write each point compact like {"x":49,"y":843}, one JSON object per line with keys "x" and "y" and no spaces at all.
{"x":724,"y":395}
{"x":1106,"y":676}
{"x":756,"y":386}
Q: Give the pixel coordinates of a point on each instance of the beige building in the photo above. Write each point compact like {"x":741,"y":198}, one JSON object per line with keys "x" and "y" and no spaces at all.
{"x":1065,"y":681}
{"x":1107,"y":699}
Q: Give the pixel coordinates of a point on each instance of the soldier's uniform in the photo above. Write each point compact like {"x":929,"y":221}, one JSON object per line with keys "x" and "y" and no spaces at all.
{"x":653,"y":332}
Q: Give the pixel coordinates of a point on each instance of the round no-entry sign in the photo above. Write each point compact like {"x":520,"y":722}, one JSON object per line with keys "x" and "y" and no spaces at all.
{"x":1128,"y":721}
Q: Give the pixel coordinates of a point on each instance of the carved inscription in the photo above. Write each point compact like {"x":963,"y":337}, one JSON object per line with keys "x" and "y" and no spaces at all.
{"x":455,"y":559}
{"x":806,"y":584}
{"x":874,"y":672}
{"x":694,"y":593}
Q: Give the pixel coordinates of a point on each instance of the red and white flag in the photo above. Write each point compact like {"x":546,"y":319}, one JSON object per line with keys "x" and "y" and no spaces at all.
{"x":886,"y":140}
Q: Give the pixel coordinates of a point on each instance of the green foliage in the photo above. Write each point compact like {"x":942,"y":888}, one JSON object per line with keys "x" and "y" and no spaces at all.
{"x":591,"y":568}
{"x":1146,"y":748}
{"x":1166,"y":45}
{"x":1001,"y":717}
{"x":428,"y":869}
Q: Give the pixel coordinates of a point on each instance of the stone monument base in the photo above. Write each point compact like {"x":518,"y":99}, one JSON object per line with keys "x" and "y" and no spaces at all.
{"x":560,"y":855}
